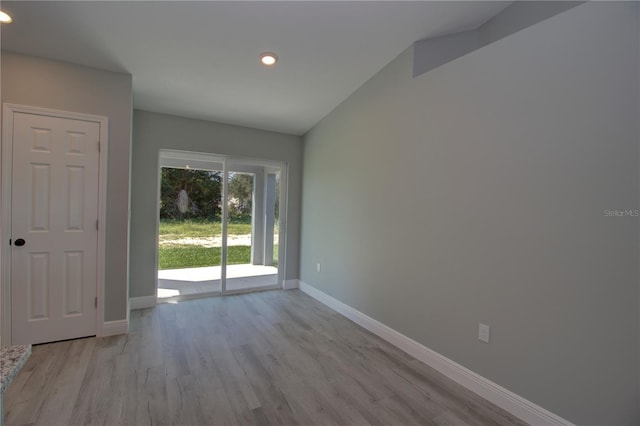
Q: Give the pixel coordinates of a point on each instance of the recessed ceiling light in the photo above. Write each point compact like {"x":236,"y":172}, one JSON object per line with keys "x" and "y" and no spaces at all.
{"x":5,"y":18}
{"x":268,"y":59}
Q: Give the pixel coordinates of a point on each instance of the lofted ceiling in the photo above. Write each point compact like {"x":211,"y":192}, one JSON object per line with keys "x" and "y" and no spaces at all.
{"x":200,"y":59}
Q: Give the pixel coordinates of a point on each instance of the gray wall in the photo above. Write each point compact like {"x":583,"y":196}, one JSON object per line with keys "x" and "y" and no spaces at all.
{"x":519,"y":15}
{"x":433,"y":52}
{"x":45,"y":83}
{"x":476,"y":193}
{"x":153,"y":132}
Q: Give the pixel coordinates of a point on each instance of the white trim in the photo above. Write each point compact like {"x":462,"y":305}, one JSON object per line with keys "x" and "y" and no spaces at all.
{"x":113,"y":328}
{"x":102,"y":225}
{"x":290,"y":284}
{"x":503,"y":398}
{"x":225,"y":227}
{"x":5,"y":209}
{"x":283,"y":225}
{"x":142,"y":302}
{"x":156,"y":248}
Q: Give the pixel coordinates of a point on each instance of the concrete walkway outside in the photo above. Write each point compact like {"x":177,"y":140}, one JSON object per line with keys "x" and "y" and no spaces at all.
{"x":190,"y":281}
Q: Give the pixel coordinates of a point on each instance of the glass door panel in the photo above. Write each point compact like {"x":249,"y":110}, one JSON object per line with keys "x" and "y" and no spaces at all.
{"x":190,"y":237}
{"x":251,"y":227}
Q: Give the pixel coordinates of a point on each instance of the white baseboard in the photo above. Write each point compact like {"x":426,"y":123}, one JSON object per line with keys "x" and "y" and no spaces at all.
{"x":113,"y":328}
{"x":142,"y":302}
{"x":503,"y":398}
{"x":290,"y":284}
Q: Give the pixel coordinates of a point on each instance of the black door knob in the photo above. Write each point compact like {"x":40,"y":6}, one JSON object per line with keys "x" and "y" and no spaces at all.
{"x":19,"y":242}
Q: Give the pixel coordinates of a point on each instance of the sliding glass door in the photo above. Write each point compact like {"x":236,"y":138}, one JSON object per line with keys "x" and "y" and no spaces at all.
{"x":220,"y":222}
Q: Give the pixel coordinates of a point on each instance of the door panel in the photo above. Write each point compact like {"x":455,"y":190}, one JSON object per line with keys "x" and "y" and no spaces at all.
{"x":54,"y":210}
{"x":73,"y":283}
{"x":39,"y":208}
{"x":75,"y":198}
{"x":251,"y":199}
{"x":38,"y":279}
{"x":190,"y":240}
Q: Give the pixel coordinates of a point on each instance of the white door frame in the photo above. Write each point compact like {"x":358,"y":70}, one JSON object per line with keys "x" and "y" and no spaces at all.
{"x":8,"y":112}
{"x":206,"y":161}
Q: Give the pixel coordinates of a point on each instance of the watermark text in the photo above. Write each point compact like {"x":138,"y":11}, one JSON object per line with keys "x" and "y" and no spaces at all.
{"x":622,"y":213}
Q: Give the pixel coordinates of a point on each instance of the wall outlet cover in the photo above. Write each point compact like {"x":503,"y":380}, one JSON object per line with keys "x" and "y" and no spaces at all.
{"x":483,"y":332}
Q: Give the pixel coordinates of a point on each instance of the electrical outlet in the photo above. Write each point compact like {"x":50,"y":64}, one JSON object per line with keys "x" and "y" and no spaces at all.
{"x":483,"y":332}
{"x":318,"y":267}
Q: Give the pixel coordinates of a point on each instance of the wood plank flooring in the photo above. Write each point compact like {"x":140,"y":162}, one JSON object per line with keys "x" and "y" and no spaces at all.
{"x":268,"y":358}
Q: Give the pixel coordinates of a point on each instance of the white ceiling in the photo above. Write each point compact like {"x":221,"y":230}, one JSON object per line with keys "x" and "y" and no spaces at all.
{"x":200,"y":59}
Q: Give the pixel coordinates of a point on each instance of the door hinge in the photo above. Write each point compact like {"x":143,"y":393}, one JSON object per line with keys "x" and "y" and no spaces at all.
{"x":97,"y":224}
{"x":9,"y":241}
{"x":98,"y":146}
{"x":95,"y":302}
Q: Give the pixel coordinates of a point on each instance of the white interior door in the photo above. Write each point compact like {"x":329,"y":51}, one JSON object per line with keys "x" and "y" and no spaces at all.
{"x":54,"y":212}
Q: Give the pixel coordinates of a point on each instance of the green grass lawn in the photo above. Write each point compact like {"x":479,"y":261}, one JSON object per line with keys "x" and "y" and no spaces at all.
{"x":170,"y":229}
{"x":190,"y":256}
{"x":175,"y":256}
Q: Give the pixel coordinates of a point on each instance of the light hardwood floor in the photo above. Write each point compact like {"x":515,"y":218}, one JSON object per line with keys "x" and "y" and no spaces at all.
{"x":268,"y":358}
